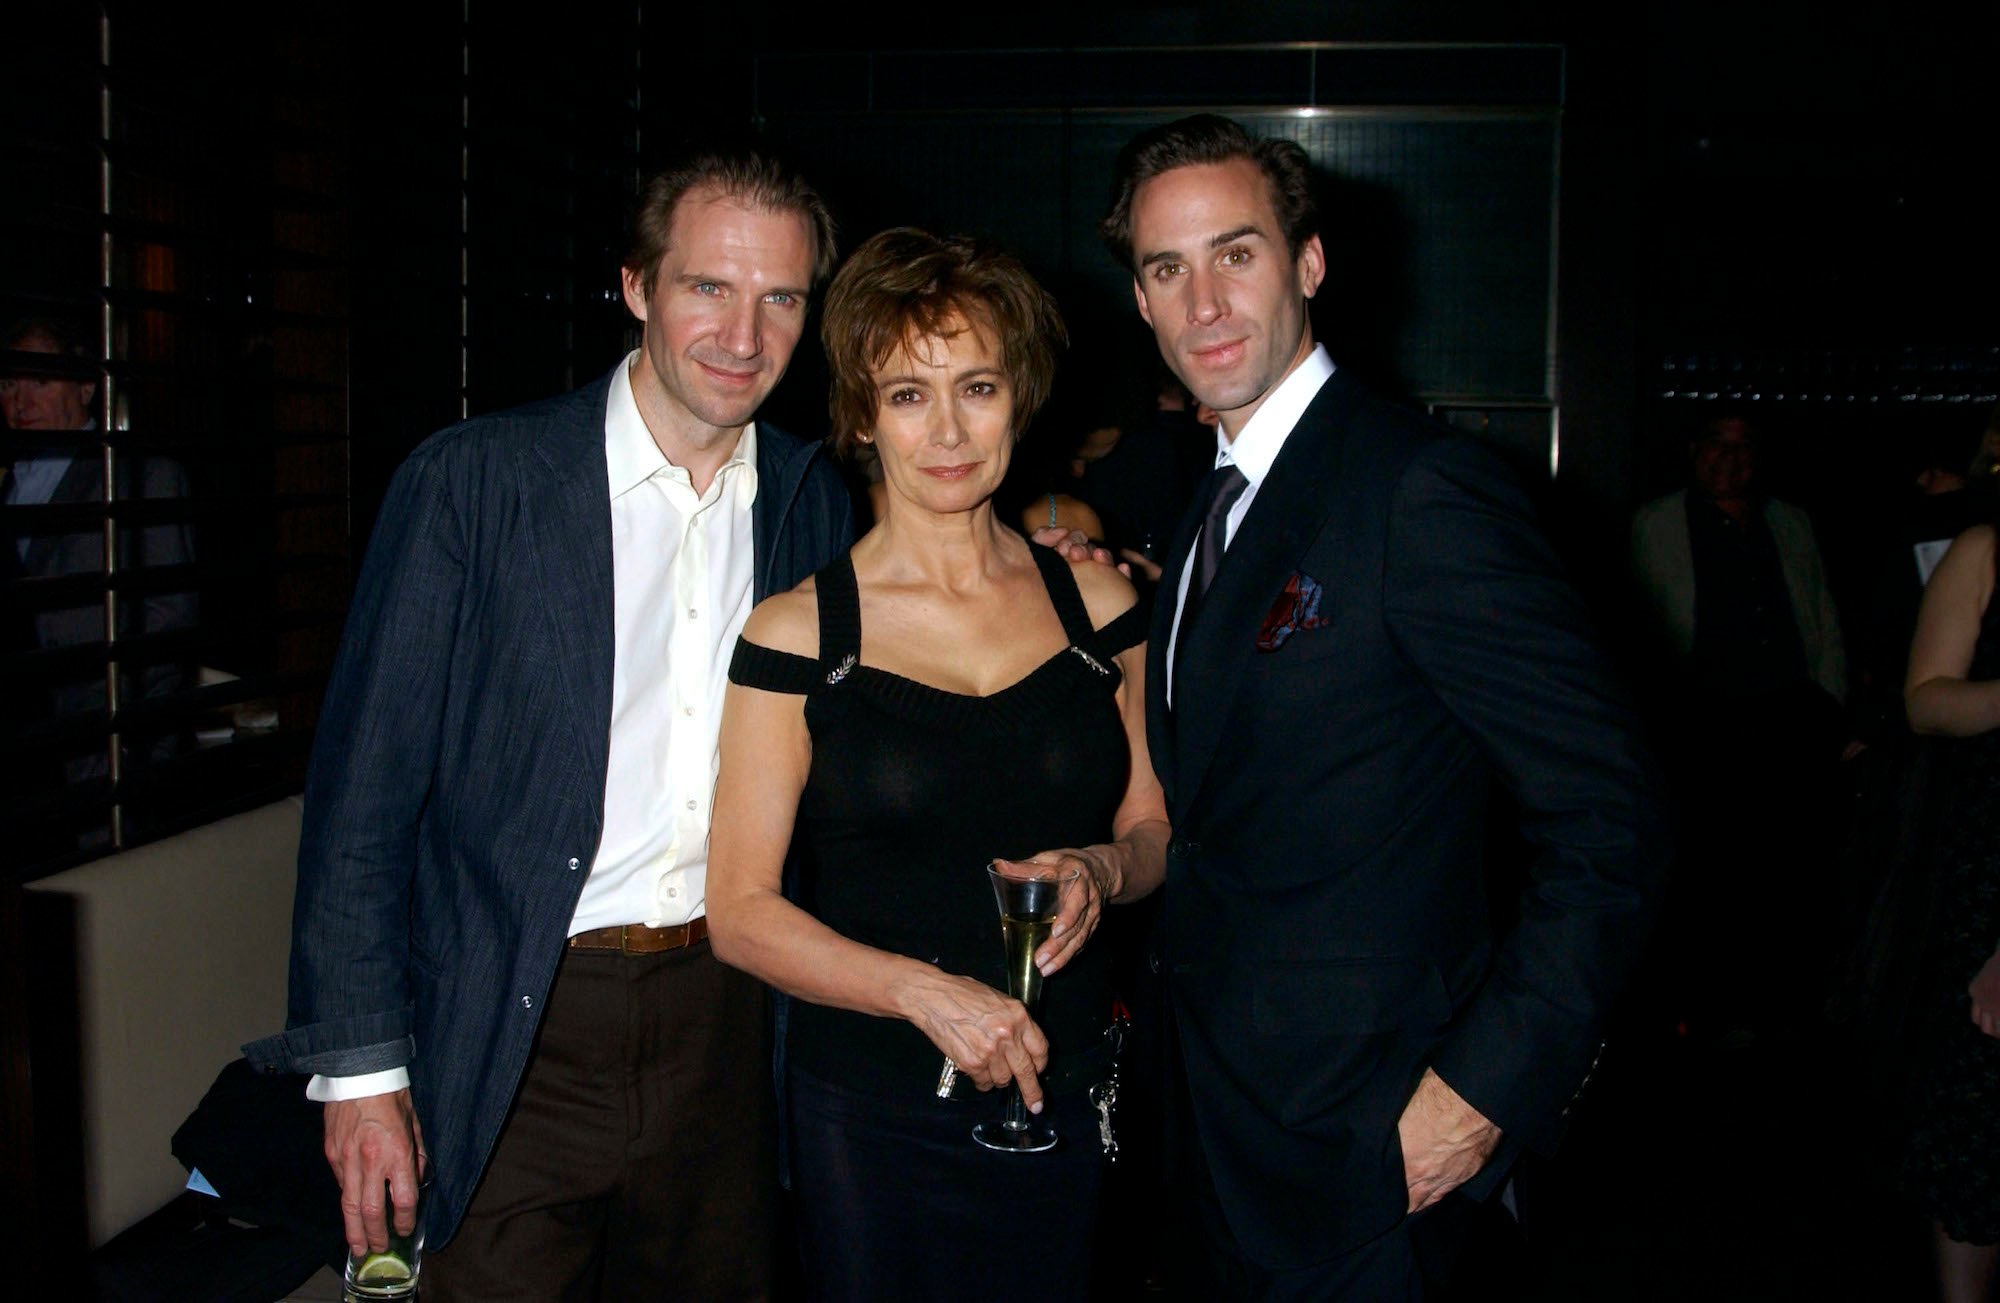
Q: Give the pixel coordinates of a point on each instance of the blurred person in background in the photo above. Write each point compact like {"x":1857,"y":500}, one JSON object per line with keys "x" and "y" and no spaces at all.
{"x":1752,"y":677}
{"x":48,"y":388}
{"x":1953,"y":692}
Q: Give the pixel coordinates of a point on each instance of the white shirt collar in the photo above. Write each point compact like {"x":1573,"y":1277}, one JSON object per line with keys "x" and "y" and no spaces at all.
{"x":1263,"y":435}
{"x":630,"y":455}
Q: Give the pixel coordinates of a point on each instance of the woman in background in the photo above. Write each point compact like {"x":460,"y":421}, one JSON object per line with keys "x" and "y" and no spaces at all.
{"x":1953,"y":690}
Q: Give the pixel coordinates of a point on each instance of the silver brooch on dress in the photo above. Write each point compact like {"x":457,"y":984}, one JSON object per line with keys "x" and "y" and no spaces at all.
{"x":1090,"y":660}
{"x":840,"y":671}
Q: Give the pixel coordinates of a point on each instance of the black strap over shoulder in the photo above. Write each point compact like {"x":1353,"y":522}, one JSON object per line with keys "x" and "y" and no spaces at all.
{"x":1127,"y":630}
{"x":758,"y":666}
{"x":839,"y":615}
{"x":1064,"y":595}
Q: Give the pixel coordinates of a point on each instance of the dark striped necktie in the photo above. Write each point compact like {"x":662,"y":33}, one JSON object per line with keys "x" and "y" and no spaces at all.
{"x":1226,"y":487}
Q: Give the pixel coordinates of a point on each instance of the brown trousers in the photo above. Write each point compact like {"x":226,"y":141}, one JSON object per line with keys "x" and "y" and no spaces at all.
{"x":639,"y":1160}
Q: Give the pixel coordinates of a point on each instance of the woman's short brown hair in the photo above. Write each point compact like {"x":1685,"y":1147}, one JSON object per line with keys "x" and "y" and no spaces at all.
{"x":904,"y":285}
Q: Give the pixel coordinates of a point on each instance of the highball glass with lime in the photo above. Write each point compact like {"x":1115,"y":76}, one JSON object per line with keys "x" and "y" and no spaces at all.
{"x":392,"y":1273}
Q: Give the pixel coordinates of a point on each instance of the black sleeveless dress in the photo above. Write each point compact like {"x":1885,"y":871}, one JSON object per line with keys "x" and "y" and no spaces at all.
{"x":911,"y":791}
{"x":1954,"y":1161}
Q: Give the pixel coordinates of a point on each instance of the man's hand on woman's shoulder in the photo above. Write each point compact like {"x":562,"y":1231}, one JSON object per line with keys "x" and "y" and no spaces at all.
{"x":1074,"y":545}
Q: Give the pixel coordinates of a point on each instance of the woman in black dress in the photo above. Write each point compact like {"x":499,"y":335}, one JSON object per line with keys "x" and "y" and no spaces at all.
{"x":945,"y":696}
{"x":1953,"y":689}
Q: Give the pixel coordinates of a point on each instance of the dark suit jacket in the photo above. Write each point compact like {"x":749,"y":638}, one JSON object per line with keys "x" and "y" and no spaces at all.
{"x":48,"y":555}
{"x":1326,"y":925}
{"x":456,"y":794}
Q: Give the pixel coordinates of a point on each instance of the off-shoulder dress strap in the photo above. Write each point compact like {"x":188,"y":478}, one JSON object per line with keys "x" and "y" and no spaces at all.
{"x":1126,"y":630}
{"x":758,"y":666}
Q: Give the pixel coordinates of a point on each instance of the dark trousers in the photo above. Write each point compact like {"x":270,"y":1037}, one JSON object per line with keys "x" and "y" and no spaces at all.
{"x":1456,"y":1251}
{"x":1213,"y":1268}
{"x":1425,"y":1259}
{"x":1756,"y":891}
{"x":895,"y":1200}
{"x":639,"y":1160}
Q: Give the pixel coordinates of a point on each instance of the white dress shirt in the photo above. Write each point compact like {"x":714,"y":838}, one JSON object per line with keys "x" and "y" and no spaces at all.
{"x":1252,"y":452}
{"x":681,"y":568}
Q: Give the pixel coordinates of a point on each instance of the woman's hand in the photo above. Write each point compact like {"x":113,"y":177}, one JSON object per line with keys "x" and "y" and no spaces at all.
{"x":987,"y":1034}
{"x":1082,"y":905}
{"x":1985,"y":990}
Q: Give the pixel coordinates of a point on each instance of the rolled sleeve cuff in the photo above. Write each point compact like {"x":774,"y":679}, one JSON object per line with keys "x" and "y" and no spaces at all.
{"x":331,"y":1090}
{"x":348,"y":1047}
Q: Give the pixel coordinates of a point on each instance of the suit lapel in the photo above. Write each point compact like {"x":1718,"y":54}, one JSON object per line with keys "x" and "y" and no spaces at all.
{"x":1281,"y":524}
{"x":566,"y":493}
{"x":1159,"y":720}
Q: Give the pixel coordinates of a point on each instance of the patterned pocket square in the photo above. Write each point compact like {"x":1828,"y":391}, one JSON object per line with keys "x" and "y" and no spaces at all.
{"x":1297,"y":608}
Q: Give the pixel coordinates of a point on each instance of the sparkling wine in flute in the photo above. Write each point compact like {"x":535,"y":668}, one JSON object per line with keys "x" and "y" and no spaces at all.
{"x":1024,"y":935}
{"x":1028,"y":897}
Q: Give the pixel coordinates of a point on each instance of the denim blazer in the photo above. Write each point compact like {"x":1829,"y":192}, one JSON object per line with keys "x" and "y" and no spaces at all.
{"x":456,"y":792}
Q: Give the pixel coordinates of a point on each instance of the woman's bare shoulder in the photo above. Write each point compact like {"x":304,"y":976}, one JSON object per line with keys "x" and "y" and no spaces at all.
{"x":1106,"y":593}
{"x":1978,"y":540}
{"x":787,"y":622}
{"x":1967,"y":564}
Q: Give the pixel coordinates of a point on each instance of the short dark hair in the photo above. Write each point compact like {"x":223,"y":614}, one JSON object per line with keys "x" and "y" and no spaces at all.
{"x":1711,"y":426}
{"x":906,"y":284}
{"x":755,"y":176}
{"x":1210,"y":138}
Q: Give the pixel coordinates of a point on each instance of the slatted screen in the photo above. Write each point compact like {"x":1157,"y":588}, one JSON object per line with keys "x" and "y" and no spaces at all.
{"x":177,"y":592}
{"x":286,"y":252}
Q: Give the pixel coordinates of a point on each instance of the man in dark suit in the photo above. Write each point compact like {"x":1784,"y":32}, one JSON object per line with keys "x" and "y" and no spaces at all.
{"x":1359,"y":632}
{"x":499,"y":970}
{"x":48,"y":390}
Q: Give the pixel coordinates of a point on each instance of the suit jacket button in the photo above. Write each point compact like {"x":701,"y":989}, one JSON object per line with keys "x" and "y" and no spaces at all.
{"x":1153,"y":962}
{"x":527,"y":1002}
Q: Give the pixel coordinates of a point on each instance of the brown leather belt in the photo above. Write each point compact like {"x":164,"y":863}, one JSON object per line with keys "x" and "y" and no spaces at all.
{"x":637,"y":939}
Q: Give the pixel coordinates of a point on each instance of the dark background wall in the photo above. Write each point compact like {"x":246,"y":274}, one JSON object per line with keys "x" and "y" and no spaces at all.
{"x":1784,"y":197}
{"x":308,"y":235}
{"x":335,"y":228}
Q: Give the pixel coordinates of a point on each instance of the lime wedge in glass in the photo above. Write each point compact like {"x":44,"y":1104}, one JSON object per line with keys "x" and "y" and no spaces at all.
{"x":381,"y":1269}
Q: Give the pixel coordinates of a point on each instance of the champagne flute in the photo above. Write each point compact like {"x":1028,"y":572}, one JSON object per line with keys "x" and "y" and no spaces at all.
{"x":1028,"y":896}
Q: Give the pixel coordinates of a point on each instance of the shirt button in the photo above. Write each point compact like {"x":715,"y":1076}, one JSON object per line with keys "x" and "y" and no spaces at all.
{"x":574,"y":863}
{"x":687,"y":710}
{"x":693,"y":614}
{"x":673,"y":893}
{"x":527,"y":1002}
{"x":691,"y":805}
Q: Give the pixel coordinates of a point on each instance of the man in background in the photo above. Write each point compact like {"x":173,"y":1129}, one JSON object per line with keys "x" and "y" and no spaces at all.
{"x":48,"y":386}
{"x":1750,"y":690}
